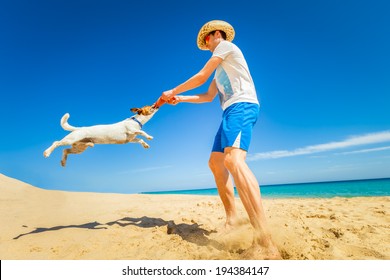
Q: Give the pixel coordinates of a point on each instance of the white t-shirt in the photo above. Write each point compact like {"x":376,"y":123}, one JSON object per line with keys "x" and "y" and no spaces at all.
{"x":234,"y":81}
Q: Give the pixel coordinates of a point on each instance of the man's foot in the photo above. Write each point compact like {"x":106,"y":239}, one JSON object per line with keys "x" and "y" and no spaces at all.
{"x":232,"y":229}
{"x":232,"y":224}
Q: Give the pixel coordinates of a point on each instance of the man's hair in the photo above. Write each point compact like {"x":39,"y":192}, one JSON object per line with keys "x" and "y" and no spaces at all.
{"x":223,"y":34}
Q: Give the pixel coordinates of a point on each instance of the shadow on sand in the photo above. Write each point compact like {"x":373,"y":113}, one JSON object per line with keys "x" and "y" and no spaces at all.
{"x":193,"y":233}
{"x":94,"y":225}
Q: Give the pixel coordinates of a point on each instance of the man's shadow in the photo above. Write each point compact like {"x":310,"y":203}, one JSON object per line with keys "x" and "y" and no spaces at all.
{"x":93,"y":225}
{"x":193,"y":233}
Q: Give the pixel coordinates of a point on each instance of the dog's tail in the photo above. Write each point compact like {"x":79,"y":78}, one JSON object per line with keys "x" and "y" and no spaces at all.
{"x":65,"y":125}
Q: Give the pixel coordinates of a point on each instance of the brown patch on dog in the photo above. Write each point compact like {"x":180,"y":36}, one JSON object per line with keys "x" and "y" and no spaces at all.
{"x":146,"y":110}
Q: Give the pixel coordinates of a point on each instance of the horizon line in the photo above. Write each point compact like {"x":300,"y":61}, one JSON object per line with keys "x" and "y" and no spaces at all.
{"x":278,"y":184}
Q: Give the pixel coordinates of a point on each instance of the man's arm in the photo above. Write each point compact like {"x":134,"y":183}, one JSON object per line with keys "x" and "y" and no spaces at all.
{"x":199,"y":98}
{"x":195,"y":81}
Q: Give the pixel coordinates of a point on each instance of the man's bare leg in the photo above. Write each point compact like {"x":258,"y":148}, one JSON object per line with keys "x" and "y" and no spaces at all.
{"x":225,"y":187}
{"x":249,"y":192}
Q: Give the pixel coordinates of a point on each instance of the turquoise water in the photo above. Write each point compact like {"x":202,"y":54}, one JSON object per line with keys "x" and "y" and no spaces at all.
{"x":372,"y":187}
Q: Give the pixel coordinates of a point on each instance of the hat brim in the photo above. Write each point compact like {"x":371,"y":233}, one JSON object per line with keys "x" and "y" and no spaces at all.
{"x":213,"y":26}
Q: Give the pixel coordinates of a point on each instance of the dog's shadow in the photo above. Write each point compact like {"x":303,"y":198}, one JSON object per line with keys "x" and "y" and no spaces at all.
{"x":193,"y":233}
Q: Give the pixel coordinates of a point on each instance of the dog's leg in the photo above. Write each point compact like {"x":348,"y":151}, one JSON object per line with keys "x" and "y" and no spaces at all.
{"x":142,"y":142}
{"x":49,"y":150}
{"x":65,"y":156}
{"x":77,"y":148}
{"x":71,"y":138}
{"x":144,"y":134}
{"x":56,"y":144}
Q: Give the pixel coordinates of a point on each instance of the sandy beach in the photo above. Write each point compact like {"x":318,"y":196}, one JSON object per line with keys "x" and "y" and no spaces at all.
{"x":45,"y":225}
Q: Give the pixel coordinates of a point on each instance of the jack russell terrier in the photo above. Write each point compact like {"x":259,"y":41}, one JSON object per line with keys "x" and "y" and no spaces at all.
{"x":122,"y":132}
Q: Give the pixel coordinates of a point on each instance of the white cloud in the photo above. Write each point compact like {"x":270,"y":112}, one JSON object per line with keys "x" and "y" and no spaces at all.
{"x":353,"y":141}
{"x":365,"y":151}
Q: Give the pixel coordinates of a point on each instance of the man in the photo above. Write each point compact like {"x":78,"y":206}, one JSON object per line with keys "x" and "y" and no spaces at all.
{"x":233,"y":82}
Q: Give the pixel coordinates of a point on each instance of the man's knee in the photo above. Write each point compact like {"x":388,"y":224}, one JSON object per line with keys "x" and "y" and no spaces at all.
{"x":230,"y":162}
{"x":233,"y":158}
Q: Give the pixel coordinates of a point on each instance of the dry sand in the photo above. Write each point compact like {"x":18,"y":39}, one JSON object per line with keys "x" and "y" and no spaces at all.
{"x":42,"y":224}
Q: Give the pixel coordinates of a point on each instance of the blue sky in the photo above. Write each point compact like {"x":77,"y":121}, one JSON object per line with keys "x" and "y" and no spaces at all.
{"x":321,"y":69}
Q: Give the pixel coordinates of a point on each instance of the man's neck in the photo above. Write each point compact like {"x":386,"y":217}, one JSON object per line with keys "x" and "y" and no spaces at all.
{"x":216,"y":45}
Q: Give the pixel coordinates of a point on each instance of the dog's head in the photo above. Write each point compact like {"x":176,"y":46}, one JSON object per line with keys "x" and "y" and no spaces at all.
{"x":145,"y":111}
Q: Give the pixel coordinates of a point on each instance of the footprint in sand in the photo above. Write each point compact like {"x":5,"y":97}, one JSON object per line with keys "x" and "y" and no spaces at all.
{"x":36,"y":249}
{"x":337,"y":232}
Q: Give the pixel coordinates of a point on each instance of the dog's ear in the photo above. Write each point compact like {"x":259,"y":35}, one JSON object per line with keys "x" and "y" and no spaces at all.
{"x":135,"y":110}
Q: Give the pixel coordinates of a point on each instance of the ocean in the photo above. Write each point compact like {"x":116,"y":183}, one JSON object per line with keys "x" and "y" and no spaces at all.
{"x":353,"y":188}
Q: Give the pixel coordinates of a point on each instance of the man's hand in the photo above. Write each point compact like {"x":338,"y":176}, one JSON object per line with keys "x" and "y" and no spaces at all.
{"x":174,"y":100}
{"x":167,"y":95}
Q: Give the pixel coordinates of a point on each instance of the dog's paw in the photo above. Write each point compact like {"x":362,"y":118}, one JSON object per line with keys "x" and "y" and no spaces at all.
{"x":46,"y":154}
{"x":146,"y":146}
{"x":149,"y":137}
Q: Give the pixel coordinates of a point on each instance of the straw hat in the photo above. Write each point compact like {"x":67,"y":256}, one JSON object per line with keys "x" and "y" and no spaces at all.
{"x":212,"y":26}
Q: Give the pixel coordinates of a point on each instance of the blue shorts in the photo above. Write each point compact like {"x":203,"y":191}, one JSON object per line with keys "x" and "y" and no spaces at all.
{"x":236,"y":127}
